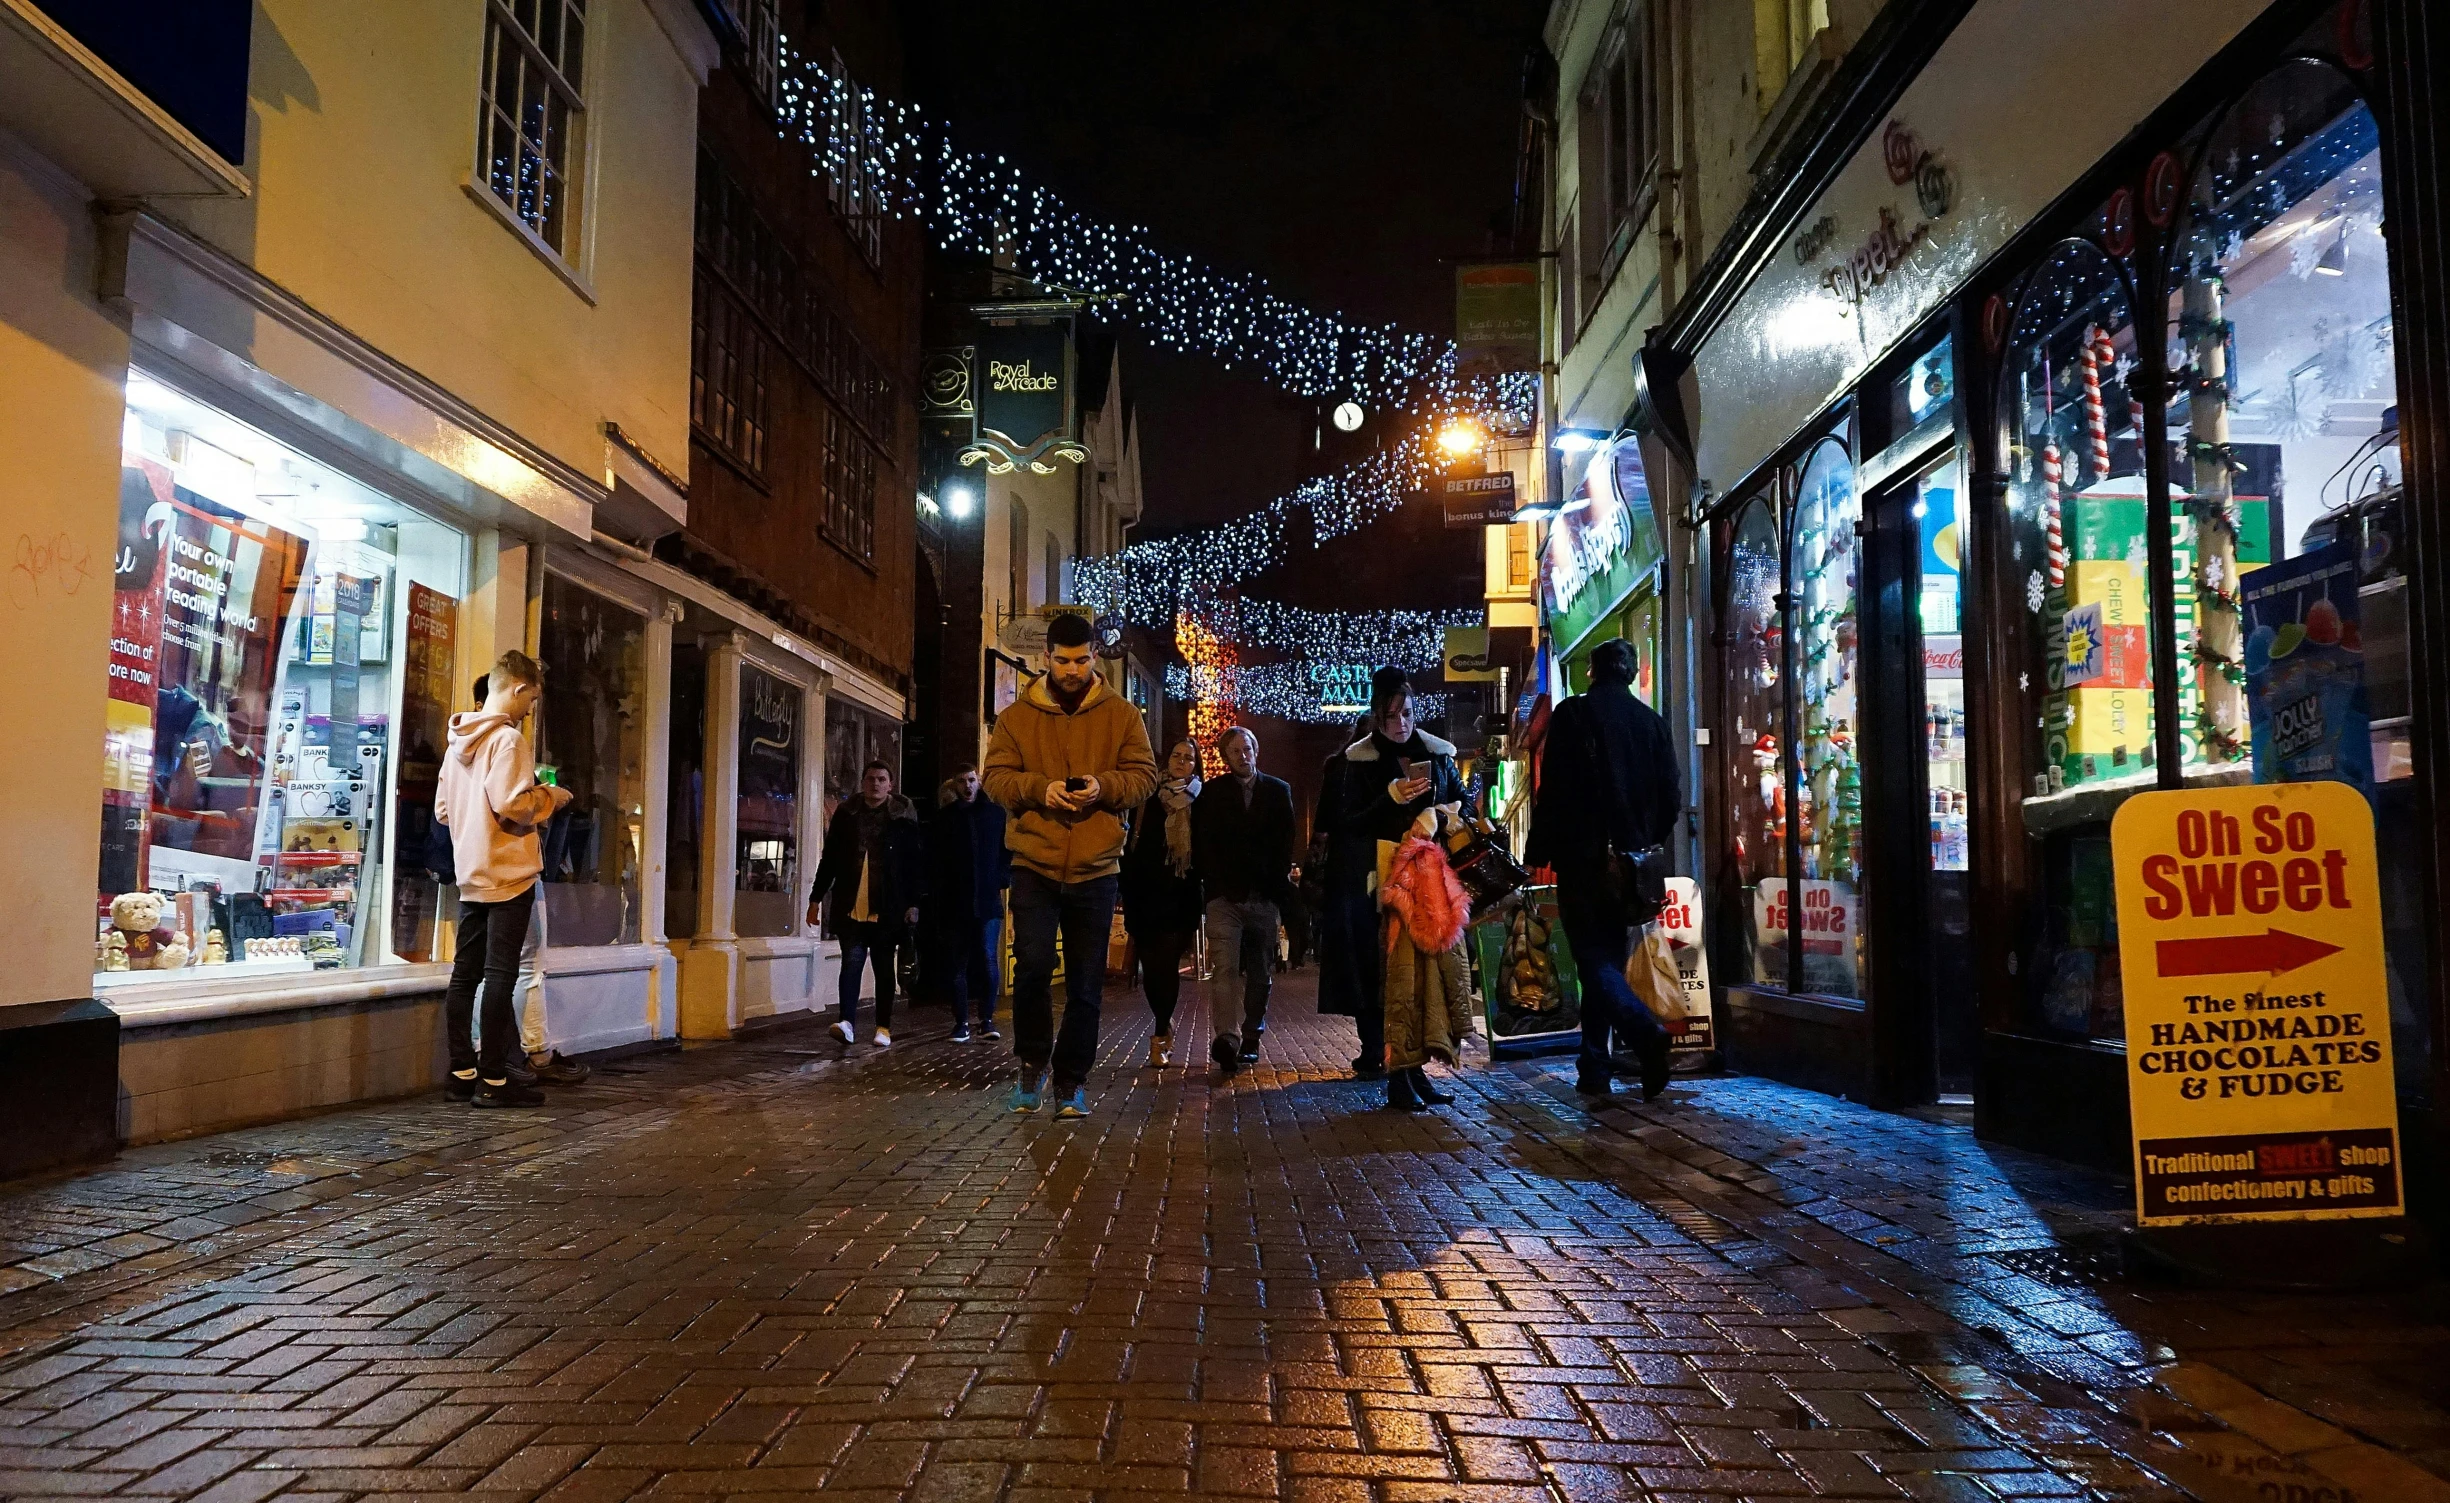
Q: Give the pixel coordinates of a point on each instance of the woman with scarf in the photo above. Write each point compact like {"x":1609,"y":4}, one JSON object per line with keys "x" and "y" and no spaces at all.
{"x":1366,"y":797}
{"x":1161,"y":897}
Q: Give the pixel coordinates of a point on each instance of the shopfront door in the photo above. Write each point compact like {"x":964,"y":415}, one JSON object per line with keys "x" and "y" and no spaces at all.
{"x":1927,"y":1017}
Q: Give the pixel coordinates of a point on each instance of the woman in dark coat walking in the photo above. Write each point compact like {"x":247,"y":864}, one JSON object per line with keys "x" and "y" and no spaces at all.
{"x":1364,"y":798}
{"x":1161,"y":896}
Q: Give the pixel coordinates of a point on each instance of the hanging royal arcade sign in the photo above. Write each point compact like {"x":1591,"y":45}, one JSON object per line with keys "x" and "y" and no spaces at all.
{"x":1016,"y":386}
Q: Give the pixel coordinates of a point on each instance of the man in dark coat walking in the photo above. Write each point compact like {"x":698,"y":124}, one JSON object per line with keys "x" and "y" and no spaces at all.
{"x":1608,"y":790}
{"x":967,"y":872}
{"x":1242,"y":848}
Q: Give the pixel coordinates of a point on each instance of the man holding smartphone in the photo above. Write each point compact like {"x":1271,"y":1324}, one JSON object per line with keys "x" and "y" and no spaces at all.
{"x":489,"y":797}
{"x":1068,"y":758}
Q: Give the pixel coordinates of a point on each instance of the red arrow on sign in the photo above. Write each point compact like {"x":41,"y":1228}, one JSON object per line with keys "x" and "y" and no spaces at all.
{"x":2274,"y":951}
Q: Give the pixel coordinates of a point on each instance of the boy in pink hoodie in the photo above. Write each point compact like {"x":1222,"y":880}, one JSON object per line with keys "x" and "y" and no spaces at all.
{"x":489,"y":797}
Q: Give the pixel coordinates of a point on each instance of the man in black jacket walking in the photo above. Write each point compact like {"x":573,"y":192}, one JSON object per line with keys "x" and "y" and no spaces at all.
{"x":1242,"y":848}
{"x":968,"y":869}
{"x":1608,"y":790}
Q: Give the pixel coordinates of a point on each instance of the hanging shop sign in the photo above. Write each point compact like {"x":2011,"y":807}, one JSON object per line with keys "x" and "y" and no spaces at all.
{"x":1477,"y":500}
{"x":1954,"y":174}
{"x":945,"y":387}
{"x":1604,"y":543}
{"x":1467,"y":656}
{"x":1023,"y":394}
{"x":1680,"y":922}
{"x":1497,"y":318}
{"x":2258,"y":1018}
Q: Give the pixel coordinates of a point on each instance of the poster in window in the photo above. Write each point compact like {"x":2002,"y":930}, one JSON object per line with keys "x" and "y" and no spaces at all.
{"x":2305,"y":670}
{"x":425,"y":709}
{"x":769,"y":780}
{"x":225,"y":583}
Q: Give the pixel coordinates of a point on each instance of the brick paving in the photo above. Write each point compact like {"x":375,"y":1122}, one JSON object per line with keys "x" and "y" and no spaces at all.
{"x":766,"y":1270}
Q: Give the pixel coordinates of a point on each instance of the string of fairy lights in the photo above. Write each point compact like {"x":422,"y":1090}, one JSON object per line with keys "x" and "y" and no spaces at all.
{"x":1403,"y":638}
{"x":889,"y":156}
{"x":909,"y":165}
{"x":1147,"y":583}
{"x":1287,"y":691}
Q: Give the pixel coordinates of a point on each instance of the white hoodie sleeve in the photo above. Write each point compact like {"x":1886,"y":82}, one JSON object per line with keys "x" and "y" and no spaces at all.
{"x":511,"y":790}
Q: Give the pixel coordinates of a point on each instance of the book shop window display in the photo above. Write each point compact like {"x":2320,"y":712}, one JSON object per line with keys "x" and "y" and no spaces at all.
{"x":2285,"y":462}
{"x":282,"y":648}
{"x":2081,"y":582}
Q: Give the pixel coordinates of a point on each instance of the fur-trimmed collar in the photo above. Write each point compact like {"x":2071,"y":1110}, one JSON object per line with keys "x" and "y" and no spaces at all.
{"x":1040,"y":695}
{"x":1366,"y":749}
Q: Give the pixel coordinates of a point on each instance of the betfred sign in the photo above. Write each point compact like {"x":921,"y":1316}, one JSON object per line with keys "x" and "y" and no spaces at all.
{"x":2258,"y":1016}
{"x":1477,"y":500}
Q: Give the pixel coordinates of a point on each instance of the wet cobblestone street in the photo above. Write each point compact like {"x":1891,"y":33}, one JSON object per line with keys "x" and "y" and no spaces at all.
{"x":762,"y":1269}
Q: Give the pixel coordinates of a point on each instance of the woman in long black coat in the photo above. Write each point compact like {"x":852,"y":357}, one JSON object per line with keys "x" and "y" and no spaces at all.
{"x":1364,"y":799}
{"x":1161,"y":897}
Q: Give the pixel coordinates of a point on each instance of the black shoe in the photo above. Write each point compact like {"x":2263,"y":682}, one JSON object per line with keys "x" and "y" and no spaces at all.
{"x":1400,"y":1094}
{"x":1226,"y":1051}
{"x":1423,"y":1089}
{"x":555,"y":1069}
{"x":1597,"y":1087}
{"x":1250,"y":1050}
{"x":1366,"y":1068}
{"x":456,"y":1089}
{"x":1654,"y":1070}
{"x":506,"y":1093}
{"x":518,"y":1072}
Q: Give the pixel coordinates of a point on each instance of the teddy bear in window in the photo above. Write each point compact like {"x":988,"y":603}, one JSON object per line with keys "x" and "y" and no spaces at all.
{"x":151,"y":945}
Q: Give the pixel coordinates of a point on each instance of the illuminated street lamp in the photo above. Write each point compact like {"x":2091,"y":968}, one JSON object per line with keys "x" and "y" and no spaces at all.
{"x":958,"y":500}
{"x":1461,"y":439}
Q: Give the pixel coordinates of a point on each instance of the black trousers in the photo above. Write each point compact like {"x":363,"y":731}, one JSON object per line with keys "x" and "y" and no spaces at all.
{"x":490,"y":938}
{"x":1161,"y":952}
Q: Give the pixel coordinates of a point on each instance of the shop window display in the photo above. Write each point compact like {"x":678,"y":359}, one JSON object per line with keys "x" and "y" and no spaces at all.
{"x":274,"y":624}
{"x":1754,"y":651}
{"x":768,"y":899}
{"x":591,"y":738}
{"x":1824,"y":565}
{"x":2081,"y":582}
{"x":2285,"y":461}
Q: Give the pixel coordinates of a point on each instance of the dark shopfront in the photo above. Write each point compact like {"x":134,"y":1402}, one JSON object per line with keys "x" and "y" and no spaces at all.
{"x":2027,"y":564}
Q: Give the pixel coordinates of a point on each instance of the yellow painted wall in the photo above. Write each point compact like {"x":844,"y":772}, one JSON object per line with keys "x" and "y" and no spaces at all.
{"x":361,"y":139}
{"x":63,"y":364}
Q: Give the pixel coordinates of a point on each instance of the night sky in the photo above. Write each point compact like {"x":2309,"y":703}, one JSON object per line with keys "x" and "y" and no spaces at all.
{"x":1339,"y":149}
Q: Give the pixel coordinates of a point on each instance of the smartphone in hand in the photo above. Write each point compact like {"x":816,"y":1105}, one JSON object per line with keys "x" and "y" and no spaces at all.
{"x":1403,"y":769}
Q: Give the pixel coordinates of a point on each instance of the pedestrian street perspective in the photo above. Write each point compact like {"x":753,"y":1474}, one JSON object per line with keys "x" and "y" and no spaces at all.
{"x":1475,"y":749}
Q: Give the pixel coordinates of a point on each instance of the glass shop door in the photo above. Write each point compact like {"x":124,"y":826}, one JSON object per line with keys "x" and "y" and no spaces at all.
{"x":1916,"y":526}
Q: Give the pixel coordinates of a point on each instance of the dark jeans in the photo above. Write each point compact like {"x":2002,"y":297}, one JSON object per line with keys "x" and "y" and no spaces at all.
{"x":1083,"y":914}
{"x":1161,"y":953}
{"x":965,"y":959}
{"x":864,"y":941}
{"x":490,"y":937}
{"x":1595,"y":931}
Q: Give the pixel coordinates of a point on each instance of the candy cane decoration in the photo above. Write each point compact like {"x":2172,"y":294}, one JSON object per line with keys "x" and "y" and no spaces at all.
{"x":2054,"y":536}
{"x":2096,"y":411}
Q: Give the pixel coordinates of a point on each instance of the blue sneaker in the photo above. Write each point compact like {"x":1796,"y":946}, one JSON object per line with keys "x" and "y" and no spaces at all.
{"x":1076,"y":1104}
{"x":1029,"y":1092}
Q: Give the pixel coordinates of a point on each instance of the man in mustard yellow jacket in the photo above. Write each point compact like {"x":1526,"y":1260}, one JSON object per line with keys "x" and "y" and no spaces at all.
{"x":1069,"y":757}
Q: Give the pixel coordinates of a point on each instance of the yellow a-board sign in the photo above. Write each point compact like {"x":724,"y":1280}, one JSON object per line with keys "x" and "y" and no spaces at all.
{"x":2258,"y":1019}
